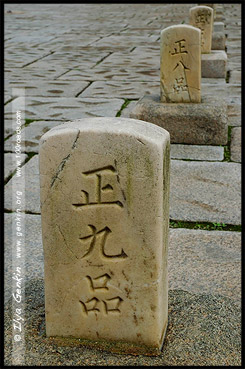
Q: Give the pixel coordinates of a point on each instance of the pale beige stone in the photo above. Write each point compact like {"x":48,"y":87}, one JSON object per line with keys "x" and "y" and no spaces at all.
{"x":213,"y":6}
{"x":202,"y":18}
{"x":180,"y":64}
{"x":104,"y":205}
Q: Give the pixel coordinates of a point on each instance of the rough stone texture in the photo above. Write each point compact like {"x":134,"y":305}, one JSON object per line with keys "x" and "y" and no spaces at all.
{"x":236,"y":140}
{"x":32,"y":250}
{"x":32,"y":195}
{"x":218,"y":41}
{"x":202,"y":17}
{"x":105,"y":214}
{"x":235,"y":77}
{"x":197,"y":152}
{"x":10,"y":163}
{"x":202,"y":330}
{"x":218,"y":27}
{"x":48,"y":88}
{"x":214,"y":64}
{"x":105,"y":89}
{"x":204,"y":123}
{"x":65,"y":108}
{"x":180,"y":65}
{"x":205,"y":262}
{"x":205,"y":192}
{"x":32,"y":134}
{"x":8,"y":127}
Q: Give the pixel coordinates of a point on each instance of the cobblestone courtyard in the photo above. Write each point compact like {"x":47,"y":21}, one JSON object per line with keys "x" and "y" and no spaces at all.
{"x":83,"y":60}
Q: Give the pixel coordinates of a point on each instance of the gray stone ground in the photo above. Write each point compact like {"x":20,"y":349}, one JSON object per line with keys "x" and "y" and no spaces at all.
{"x":82,"y":60}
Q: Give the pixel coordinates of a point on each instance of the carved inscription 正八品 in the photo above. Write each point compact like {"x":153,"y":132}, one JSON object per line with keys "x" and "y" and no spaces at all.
{"x":180,"y":66}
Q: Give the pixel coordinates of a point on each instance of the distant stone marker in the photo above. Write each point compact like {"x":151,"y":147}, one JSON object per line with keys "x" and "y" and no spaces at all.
{"x":202,"y":18}
{"x":180,"y":64}
{"x":105,"y":214}
{"x":213,"y":6}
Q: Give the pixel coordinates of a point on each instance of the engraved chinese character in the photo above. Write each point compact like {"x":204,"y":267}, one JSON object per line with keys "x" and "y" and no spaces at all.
{"x":203,"y":17}
{"x":99,"y":189}
{"x":111,"y":305}
{"x":180,"y":85}
{"x":101,"y":243}
{"x":179,"y":49}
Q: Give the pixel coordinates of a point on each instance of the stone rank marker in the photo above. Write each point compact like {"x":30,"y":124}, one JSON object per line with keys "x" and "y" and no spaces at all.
{"x":105,"y":213}
{"x":180,"y":64}
{"x":202,"y":18}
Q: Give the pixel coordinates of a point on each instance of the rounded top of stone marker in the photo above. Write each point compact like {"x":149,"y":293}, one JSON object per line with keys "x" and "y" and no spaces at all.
{"x":180,"y":27}
{"x":116,"y":125}
{"x":201,"y":7}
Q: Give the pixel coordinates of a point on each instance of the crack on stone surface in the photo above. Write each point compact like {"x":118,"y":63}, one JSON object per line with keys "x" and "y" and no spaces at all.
{"x":64,"y":161}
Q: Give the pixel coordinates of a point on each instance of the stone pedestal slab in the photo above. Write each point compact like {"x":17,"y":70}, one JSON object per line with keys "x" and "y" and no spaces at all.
{"x":200,"y":124}
{"x":214,"y":64}
{"x":218,"y":41}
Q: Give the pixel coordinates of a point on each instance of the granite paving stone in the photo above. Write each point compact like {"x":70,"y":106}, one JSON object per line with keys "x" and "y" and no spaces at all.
{"x":65,"y":108}
{"x":118,"y":74}
{"x":32,"y":188}
{"x":49,"y":88}
{"x":8,"y":128}
{"x":205,"y":191}
{"x":205,"y":262}
{"x":31,"y":73}
{"x":33,"y":250}
{"x":31,"y":136}
{"x":197,"y":152}
{"x":106,"y":89}
{"x":10,"y":163}
{"x":236,"y":149}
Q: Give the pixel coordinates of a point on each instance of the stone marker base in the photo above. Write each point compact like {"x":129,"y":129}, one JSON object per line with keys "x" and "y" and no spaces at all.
{"x":218,"y":27}
{"x":214,"y":64}
{"x":189,"y":123}
{"x":115,"y":347}
{"x":218,"y":41}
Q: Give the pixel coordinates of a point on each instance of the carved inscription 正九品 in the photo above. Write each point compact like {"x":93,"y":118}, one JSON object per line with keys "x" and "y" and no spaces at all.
{"x":97,"y":238}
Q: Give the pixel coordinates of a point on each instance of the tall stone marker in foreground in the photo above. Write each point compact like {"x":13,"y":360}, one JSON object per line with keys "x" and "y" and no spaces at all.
{"x":202,"y":18}
{"x":180,"y":64}
{"x":105,"y":214}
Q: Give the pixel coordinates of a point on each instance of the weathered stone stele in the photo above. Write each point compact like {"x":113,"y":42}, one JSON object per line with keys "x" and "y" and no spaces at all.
{"x":105,"y":212}
{"x":202,"y":18}
{"x":213,"y":6}
{"x":180,"y":64}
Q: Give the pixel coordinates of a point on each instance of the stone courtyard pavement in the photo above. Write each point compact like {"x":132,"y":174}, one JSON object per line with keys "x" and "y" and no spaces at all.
{"x":70,"y":61}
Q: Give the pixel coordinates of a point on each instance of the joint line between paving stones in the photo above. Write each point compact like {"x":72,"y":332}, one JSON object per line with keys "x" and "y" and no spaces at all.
{"x":102,"y":59}
{"x":85,"y":88}
{"x":29,"y":156}
{"x":23,"y":66}
{"x":124,"y":105}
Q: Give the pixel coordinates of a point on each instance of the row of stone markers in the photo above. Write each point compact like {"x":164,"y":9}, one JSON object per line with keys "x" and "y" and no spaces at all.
{"x":189,"y":117}
{"x":105,"y":202}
